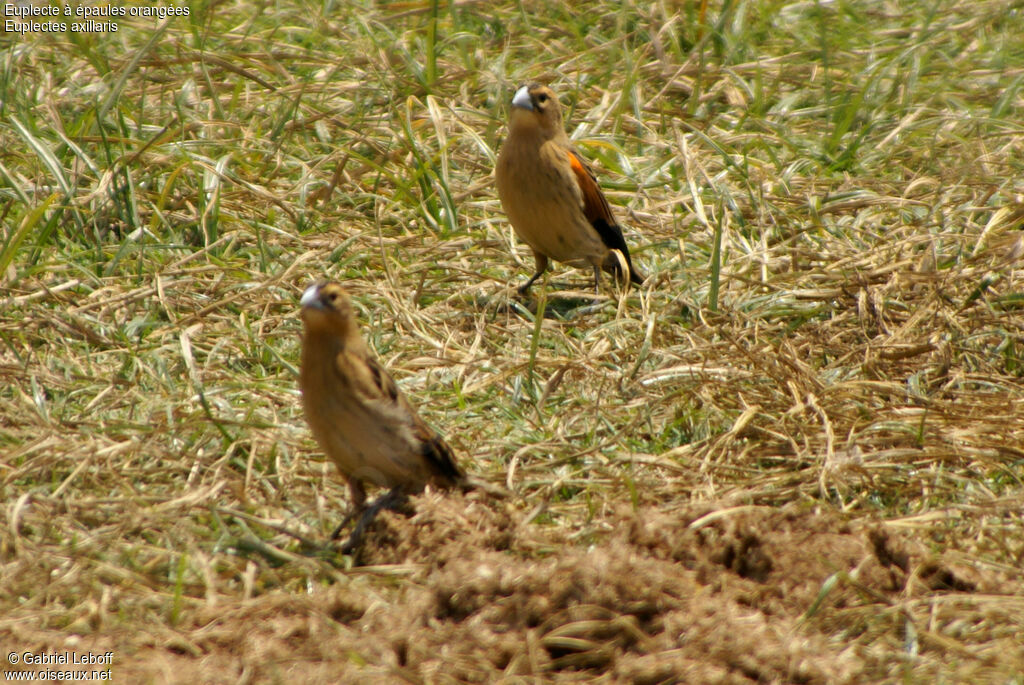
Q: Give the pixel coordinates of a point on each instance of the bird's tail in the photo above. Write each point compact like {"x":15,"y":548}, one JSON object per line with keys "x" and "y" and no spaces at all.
{"x":468,"y":483}
{"x":619,"y":263}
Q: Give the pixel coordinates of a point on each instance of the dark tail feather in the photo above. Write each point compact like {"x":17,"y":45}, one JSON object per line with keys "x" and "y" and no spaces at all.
{"x":611,"y":236}
{"x":447,"y":473}
{"x":441,"y":460}
{"x":635,"y":277}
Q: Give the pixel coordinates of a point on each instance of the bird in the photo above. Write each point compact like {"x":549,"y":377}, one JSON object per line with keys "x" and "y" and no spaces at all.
{"x":551,"y":196}
{"x":359,"y":417}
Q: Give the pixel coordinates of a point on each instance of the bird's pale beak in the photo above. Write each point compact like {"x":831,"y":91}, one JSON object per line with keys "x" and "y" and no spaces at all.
{"x":522,"y":99}
{"x":311,"y":298}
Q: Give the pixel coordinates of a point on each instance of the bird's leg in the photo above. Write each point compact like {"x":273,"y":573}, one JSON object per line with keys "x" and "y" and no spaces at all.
{"x":344,"y":522}
{"x":526,"y":286}
{"x":597,"y":281}
{"x":357,"y":493}
{"x":390,"y":500}
{"x":542,"y":264}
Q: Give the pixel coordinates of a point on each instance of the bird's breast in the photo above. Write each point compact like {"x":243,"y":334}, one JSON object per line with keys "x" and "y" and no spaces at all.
{"x":370,"y":440}
{"x":544,"y":205}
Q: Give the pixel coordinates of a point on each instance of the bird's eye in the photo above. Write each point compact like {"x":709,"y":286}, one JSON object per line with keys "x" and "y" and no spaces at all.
{"x":542,"y":98}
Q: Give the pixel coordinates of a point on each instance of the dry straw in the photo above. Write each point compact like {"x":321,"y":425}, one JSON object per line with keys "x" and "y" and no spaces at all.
{"x":794,"y":454}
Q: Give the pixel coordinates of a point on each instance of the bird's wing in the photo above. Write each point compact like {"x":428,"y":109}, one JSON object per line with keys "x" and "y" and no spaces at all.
{"x":595,"y":206}
{"x":438,"y":453}
{"x":374,"y":384}
{"x":368,"y":379}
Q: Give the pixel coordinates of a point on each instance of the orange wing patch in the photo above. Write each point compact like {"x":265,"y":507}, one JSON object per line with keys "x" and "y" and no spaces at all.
{"x":599,"y":214}
{"x":595,"y":206}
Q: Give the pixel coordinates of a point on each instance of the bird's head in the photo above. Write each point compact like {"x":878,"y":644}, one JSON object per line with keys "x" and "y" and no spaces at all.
{"x":536,"y":106}
{"x":326,"y":307}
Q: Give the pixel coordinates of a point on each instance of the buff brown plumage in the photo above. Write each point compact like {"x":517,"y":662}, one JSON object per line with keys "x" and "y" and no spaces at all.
{"x":357,"y":414}
{"x":550,"y":193}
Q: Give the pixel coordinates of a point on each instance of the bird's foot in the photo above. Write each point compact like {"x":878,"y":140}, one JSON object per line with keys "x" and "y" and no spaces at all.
{"x":393,"y":499}
{"x":345,"y":521}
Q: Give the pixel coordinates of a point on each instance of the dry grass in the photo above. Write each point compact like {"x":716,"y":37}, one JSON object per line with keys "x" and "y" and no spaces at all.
{"x":828,"y":198}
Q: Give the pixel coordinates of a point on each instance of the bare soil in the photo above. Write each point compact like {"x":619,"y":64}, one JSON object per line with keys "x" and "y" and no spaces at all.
{"x":699,"y":594}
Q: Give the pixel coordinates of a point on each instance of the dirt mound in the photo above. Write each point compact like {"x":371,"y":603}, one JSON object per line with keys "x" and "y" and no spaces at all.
{"x":466,"y":589}
{"x":748,"y":594}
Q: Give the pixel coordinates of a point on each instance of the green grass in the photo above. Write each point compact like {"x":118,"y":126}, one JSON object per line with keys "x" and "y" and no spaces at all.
{"x":827,"y":197}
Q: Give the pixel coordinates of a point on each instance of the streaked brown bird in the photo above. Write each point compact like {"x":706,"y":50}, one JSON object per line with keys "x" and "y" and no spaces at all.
{"x":357,"y":414}
{"x":551,"y":195}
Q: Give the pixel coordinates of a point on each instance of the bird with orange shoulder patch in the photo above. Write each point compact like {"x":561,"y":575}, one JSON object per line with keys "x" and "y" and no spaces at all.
{"x":551,"y":195}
